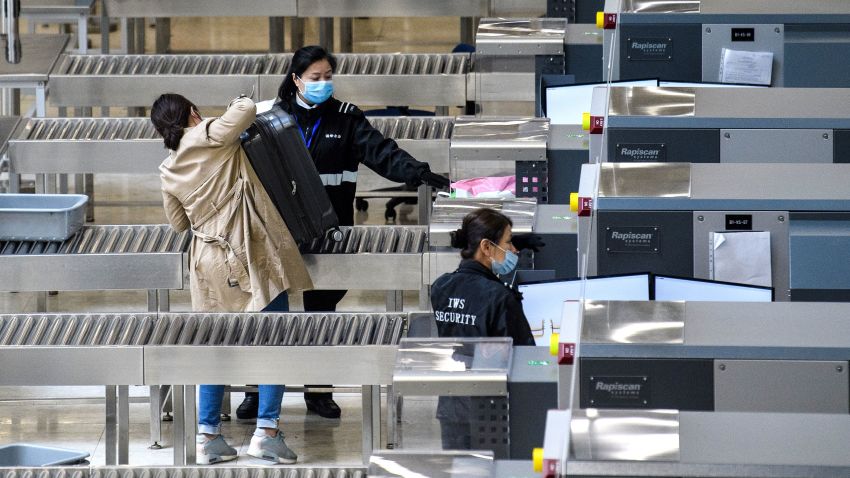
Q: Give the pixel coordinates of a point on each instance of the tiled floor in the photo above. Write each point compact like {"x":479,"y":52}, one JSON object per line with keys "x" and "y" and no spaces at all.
{"x":73,"y":417}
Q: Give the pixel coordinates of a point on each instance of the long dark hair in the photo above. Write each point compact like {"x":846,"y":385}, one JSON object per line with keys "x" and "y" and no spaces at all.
{"x":301,"y":60}
{"x":170,"y":114}
{"x":483,"y":223}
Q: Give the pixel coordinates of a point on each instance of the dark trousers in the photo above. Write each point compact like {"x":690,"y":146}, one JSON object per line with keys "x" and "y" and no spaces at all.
{"x":321,"y":301}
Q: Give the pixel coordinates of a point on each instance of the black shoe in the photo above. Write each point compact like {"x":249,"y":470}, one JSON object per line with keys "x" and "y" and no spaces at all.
{"x":248,"y":408}
{"x":323,"y":404}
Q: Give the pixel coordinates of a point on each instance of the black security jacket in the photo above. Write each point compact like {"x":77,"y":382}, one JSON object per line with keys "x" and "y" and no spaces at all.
{"x":473,"y":302}
{"x":340,"y":138}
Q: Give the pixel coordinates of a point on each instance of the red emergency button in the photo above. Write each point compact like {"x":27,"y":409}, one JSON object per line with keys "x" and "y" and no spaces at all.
{"x":566,"y":353}
{"x":606,"y":21}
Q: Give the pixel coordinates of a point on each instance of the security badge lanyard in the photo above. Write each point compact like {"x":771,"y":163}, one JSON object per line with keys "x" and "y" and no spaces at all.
{"x":308,"y":140}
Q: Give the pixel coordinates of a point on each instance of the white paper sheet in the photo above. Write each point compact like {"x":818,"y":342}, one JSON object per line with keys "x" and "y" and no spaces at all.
{"x":742,"y":257}
{"x":748,"y":67}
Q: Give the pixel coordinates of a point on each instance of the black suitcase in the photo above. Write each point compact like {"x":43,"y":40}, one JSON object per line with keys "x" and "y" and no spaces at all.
{"x":276,"y":150}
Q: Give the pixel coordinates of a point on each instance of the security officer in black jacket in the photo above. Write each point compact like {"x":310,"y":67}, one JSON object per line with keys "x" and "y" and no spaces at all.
{"x":473,"y":301}
{"x":339,"y":138}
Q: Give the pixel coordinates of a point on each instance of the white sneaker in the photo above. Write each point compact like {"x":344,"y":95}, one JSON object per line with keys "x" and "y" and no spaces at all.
{"x":210,"y":452}
{"x":272,"y":449}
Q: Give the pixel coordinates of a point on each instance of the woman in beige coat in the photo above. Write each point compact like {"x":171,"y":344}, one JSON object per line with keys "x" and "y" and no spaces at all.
{"x":242,"y":255}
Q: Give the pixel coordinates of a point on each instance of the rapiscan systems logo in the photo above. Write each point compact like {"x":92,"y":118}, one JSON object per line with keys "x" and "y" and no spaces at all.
{"x":641,"y":152}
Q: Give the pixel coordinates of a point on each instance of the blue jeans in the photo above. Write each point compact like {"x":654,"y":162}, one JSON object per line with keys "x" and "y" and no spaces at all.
{"x":211,"y":396}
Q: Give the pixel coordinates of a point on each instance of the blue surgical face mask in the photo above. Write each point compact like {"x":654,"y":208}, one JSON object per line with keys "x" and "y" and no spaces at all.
{"x":506,"y":266}
{"x":317,"y":92}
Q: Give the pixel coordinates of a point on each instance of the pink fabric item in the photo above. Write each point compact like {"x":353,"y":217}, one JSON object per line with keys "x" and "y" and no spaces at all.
{"x":494,"y":184}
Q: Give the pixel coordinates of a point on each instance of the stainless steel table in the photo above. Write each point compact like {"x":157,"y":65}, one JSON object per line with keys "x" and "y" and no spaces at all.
{"x":39,"y":54}
{"x":60,"y":11}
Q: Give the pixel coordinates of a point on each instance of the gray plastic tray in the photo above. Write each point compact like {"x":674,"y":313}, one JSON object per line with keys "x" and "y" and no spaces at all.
{"x":41,"y":217}
{"x":23,"y":454}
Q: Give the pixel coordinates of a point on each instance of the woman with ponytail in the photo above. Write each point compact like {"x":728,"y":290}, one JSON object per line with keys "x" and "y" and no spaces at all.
{"x":473,"y":301}
{"x":242,"y":256}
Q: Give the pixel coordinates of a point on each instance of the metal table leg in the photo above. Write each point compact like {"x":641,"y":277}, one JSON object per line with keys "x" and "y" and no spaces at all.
{"x":41,"y":301}
{"x":104,"y":28}
{"x":395,"y":301}
{"x":467,"y":30}
{"x":346,"y":35}
{"x":152,"y":305}
{"x":155,"y":417}
{"x":163,"y":35}
{"x":40,"y":100}
{"x":367,"y":423}
{"x":140,"y":36}
{"x":83,"y":33}
{"x":179,"y":426}
{"x":111,"y":422}
{"x":326,"y":33}
{"x":163,"y":300}
{"x":371,"y":420}
{"x":189,"y":423}
{"x":123,"y":425}
{"x":128,"y":34}
{"x":277,"y":34}
{"x":391,"y":418}
{"x":14,"y":183}
{"x":296,"y":33}
{"x":376,"y":417}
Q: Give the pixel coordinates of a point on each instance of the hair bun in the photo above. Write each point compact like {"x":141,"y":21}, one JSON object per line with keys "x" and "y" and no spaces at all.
{"x":459,"y":239}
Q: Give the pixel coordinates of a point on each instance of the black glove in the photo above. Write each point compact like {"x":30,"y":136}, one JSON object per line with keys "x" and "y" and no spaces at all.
{"x":435,"y":180}
{"x":528,"y":241}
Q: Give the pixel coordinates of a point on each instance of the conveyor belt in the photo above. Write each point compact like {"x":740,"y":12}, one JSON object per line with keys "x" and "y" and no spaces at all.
{"x":87,"y":129}
{"x":382,"y":64}
{"x":219,"y":472}
{"x":414,"y":128}
{"x":132,"y":65}
{"x":365,"y":79}
{"x":374,"y":240}
{"x":369,"y":257}
{"x":211,"y":65}
{"x":182,"y":472}
{"x":132,"y":145}
{"x":106,"y":240}
{"x":152,"y":257}
{"x":127,"y":129}
{"x":141,"y":257}
{"x":201,"y":329}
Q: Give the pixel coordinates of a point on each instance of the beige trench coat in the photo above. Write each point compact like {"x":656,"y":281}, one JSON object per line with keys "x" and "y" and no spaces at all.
{"x":242,"y":254}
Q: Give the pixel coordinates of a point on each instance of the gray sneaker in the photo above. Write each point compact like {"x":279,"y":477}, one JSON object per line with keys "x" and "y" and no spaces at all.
{"x":272,"y":448}
{"x":210,"y":452}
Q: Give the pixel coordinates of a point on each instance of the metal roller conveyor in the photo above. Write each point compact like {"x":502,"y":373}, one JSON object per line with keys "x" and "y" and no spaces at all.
{"x":367,"y":79}
{"x":86,"y":145}
{"x":386,"y":79}
{"x":146,"y":257}
{"x":136,"y":80}
{"x":389,"y":256}
{"x":187,"y":349}
{"x":175,"y":342}
{"x":132,"y":146}
{"x":228,"y":472}
{"x":70,"y":349}
{"x":182,"y":472}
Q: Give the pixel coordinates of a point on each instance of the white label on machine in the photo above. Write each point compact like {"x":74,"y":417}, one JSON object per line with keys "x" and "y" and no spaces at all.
{"x":746,"y":67}
{"x":742,"y":257}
